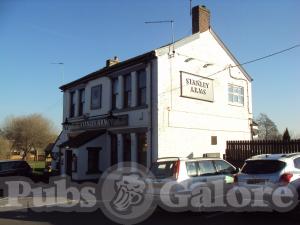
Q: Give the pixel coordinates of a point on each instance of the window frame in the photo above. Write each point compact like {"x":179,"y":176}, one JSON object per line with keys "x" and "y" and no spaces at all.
{"x":81,"y":101}
{"x":240,"y":94}
{"x":141,"y":88}
{"x":72,"y":105}
{"x":127,"y":91}
{"x":98,"y":105}
{"x":114,"y":92}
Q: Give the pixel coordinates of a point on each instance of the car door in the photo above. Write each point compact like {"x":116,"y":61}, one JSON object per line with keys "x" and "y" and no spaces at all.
{"x":225,"y":170}
{"x":207,"y":171}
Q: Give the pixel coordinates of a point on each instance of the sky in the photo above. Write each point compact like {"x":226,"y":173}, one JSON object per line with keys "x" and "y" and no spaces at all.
{"x":82,"y":34}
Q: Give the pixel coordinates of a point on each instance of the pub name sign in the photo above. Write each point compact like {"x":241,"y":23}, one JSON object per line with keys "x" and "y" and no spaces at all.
{"x":197,"y":87}
{"x":106,"y":122}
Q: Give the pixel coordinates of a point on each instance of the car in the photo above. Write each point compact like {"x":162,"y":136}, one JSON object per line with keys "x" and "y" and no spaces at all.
{"x":187,"y":171}
{"x":15,"y":168}
{"x":271,"y":170}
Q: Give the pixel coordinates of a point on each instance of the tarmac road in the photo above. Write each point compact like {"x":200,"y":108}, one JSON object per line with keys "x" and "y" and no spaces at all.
{"x":159,"y":217}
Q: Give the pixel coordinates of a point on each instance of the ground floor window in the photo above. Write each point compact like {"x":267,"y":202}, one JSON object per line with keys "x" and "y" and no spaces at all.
{"x":127,"y":147}
{"x":93,"y":160}
{"x":142,"y":148}
{"x":114,"y":149}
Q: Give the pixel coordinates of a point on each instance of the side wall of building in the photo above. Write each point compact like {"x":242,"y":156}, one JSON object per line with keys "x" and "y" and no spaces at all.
{"x":187,"y":125}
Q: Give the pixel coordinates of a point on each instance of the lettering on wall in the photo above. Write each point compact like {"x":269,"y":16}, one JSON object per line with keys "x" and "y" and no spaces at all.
{"x":197,"y":87}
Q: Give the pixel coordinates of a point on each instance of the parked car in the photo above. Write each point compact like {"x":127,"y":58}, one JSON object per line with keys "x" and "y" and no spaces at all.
{"x":273,"y":170}
{"x":184,"y":171}
{"x":15,"y":168}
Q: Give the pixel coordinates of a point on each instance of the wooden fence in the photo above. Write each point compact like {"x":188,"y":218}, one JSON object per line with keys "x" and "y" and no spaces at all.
{"x":238,"y":151}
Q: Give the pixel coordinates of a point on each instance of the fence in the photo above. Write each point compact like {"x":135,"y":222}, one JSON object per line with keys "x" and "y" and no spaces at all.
{"x":238,"y":151}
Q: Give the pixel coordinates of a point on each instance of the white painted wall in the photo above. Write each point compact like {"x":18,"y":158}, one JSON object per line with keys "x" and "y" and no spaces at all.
{"x":82,"y":158}
{"x":186,"y":125}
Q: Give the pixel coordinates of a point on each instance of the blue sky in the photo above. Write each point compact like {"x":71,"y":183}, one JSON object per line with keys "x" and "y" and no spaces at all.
{"x":83,"y":34}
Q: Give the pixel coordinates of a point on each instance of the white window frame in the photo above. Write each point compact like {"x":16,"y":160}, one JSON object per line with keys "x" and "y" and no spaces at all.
{"x":238,"y":95}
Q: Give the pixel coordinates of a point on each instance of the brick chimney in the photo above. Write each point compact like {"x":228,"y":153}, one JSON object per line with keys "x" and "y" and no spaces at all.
{"x":200,"y":19}
{"x":111,"y":62}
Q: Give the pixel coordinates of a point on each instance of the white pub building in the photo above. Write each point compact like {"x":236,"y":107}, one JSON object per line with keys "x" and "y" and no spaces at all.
{"x":186,"y":98}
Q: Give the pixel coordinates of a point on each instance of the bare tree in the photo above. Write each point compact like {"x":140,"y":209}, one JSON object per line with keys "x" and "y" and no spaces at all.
{"x":5,"y":147}
{"x":267,"y":129}
{"x":28,"y":133}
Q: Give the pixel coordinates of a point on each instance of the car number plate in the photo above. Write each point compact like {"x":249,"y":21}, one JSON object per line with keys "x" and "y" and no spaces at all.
{"x":256,"y":181}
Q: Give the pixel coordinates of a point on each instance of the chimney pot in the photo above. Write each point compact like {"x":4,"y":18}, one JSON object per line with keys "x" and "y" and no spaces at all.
{"x":200,"y":19}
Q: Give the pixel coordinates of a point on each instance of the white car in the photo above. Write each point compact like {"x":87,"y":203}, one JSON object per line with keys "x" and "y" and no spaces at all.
{"x":273,"y":171}
{"x":184,"y":172}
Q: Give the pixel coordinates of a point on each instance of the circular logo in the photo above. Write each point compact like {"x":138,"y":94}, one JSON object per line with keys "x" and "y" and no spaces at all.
{"x":126,"y":193}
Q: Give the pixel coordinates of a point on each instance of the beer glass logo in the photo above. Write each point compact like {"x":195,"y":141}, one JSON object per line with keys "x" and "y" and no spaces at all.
{"x":126,"y":195}
{"x":129,"y":192}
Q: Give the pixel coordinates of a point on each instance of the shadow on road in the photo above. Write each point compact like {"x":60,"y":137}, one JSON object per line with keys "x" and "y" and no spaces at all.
{"x":159,"y":217}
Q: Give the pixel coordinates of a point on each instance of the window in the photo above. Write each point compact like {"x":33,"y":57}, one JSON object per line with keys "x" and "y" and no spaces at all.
{"x":127,"y":147}
{"x":235,"y":94}
{"x":72,"y":104}
{"x":192,"y":169}
{"x":81,"y":101}
{"x":206,"y":168}
{"x":162,"y":170}
{"x":223,"y":167}
{"x":96,"y":95}
{"x":142,"y":87}
{"x":127,"y":88}
{"x":93,"y":160}
{"x":297,"y":163}
{"x":142,"y":149}
{"x":114,"y":149}
{"x":263,"y":166}
{"x":115,"y":92}
{"x":214,"y":140}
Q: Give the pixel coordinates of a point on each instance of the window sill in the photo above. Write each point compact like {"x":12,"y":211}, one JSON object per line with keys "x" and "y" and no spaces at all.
{"x":236,"y":104}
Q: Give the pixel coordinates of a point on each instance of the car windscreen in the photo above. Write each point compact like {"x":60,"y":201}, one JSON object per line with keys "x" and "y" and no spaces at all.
{"x":163,"y":169}
{"x":263,"y":166}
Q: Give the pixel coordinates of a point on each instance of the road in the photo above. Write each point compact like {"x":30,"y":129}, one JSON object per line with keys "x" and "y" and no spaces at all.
{"x":159,"y":217}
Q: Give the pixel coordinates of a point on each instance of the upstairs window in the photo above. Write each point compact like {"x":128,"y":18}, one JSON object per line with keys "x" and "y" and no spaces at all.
{"x":115,"y":92}
{"x":127,"y":89}
{"x":96,"y":95}
{"x":235,"y":94}
{"x":142,"y":87}
{"x":72,"y":103}
{"x":81,"y":101}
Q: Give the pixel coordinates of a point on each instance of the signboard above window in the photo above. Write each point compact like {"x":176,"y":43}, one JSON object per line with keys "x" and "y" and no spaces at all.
{"x":197,"y":87}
